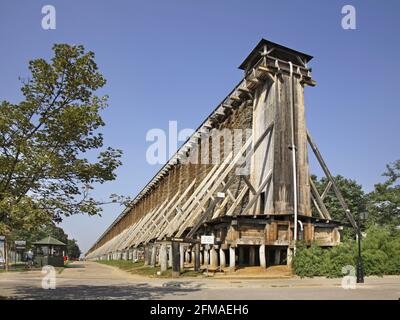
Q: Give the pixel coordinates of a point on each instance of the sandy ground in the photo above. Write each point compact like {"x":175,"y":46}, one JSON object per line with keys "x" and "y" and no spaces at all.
{"x":91,"y":280}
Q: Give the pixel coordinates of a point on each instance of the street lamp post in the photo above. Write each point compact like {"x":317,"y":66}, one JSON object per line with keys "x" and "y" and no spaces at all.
{"x":360,"y":264}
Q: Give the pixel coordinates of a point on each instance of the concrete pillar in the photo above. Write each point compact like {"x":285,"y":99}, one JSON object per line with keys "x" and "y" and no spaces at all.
{"x":146,"y":255}
{"x":187,"y":255}
{"x":222,"y":260}
{"x":153,"y":256}
{"x":232,"y":258}
{"x":170,"y":256}
{"x":206,"y":257}
{"x":289,"y":258}
{"x":130,"y":254}
{"x":163,"y":257}
{"x":252,"y":255}
{"x":241,"y":255}
{"x":135,"y":255}
{"x":150,"y":250}
{"x":193,"y":257}
{"x":213,"y":258}
{"x":201,"y":258}
{"x":277,"y":256}
{"x":263,"y":261}
{"x":181,"y":256}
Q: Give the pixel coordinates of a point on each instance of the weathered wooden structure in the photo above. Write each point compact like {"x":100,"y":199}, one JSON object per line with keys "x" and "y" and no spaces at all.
{"x":258,"y":199}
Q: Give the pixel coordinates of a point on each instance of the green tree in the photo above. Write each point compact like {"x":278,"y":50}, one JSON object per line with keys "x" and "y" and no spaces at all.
{"x":384,"y":201}
{"x":44,"y":174}
{"x":73,"y":249}
{"x":352,"y":193}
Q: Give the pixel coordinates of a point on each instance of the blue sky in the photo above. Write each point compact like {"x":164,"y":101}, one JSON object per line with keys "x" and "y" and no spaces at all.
{"x":175,"y":60}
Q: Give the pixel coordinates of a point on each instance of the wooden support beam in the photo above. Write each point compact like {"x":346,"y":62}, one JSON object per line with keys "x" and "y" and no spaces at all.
{"x":317,"y":207}
{"x":319,"y":201}
{"x":251,"y":188}
{"x":328,"y":187}
{"x":267,"y":180}
{"x":237,"y":201}
{"x":331,"y":178}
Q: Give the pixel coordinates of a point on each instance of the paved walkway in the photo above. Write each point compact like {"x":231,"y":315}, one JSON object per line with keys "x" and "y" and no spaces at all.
{"x":91,"y":280}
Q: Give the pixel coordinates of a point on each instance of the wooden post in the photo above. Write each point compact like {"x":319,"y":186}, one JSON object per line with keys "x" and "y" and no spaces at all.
{"x":277,"y":256}
{"x":181,"y":256}
{"x":176,"y":270}
{"x":252,"y":255}
{"x":241,"y":255}
{"x":197,"y":257}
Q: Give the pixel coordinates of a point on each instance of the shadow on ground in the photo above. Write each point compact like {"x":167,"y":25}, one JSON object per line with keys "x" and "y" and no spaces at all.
{"x":85,"y":292}
{"x":75,"y":266}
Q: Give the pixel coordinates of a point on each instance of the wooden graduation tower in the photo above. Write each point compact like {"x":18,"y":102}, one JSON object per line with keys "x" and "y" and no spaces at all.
{"x":258,"y":208}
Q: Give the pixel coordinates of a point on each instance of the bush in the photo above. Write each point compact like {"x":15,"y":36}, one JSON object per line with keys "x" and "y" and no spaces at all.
{"x":380,"y":249}
{"x":338,"y":257}
{"x":308,"y":261}
{"x":375,"y":262}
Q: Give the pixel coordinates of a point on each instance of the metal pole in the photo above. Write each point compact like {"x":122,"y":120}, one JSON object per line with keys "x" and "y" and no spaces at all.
{"x":208,"y":258}
{"x":6,"y":254}
{"x":360,"y":265}
{"x":293,"y":160}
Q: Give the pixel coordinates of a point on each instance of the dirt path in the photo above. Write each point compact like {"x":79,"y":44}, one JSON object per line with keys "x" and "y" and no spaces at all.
{"x":91,"y":280}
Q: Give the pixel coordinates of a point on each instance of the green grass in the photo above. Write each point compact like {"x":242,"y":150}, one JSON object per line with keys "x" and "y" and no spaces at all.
{"x":15,"y":267}
{"x":21,"y":267}
{"x":140,"y":269}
